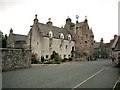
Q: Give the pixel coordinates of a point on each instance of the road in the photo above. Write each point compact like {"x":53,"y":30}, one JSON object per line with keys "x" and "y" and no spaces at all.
{"x":83,"y":74}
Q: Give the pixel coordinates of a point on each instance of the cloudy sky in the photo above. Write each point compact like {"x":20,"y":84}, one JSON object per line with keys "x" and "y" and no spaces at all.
{"x":102,"y":15}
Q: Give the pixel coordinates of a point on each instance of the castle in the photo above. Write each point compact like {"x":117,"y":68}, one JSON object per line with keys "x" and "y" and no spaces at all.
{"x":72,"y":40}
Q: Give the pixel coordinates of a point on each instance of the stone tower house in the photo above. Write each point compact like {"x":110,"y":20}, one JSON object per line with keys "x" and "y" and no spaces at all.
{"x":83,"y":36}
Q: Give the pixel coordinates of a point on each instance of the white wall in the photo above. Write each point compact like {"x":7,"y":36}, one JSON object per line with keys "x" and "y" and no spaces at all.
{"x":46,"y":50}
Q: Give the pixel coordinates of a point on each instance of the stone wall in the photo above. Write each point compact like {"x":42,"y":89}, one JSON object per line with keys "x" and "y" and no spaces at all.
{"x":13,"y":59}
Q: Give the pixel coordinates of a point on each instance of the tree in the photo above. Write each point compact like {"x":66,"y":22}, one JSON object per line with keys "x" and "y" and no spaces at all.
{"x":55,"y":56}
{"x":3,"y":41}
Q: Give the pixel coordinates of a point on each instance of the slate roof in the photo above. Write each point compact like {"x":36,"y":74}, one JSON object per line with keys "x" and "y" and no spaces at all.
{"x":19,"y":37}
{"x":80,"y":24}
{"x":91,"y":33}
{"x":96,"y":44}
{"x":45,"y":29}
{"x":116,"y":44}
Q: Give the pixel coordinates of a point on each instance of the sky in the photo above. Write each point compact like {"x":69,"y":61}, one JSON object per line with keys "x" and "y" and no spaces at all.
{"x":102,"y":15}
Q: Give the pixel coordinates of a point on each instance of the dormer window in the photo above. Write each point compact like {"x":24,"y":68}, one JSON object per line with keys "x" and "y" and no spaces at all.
{"x":69,"y":37}
{"x":61,"y":36}
{"x":50,"y":34}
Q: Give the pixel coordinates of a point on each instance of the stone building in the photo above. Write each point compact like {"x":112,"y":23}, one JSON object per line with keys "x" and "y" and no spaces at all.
{"x":83,"y":37}
{"x":16,"y":40}
{"x":43,"y":39}
{"x":100,"y":49}
{"x":74,"y":39}
{"x":111,"y":44}
{"x":116,"y":50}
{"x":103,"y":50}
{"x":1,"y":36}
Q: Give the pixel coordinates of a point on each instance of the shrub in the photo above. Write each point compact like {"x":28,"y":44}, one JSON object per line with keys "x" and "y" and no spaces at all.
{"x":57,"y":62}
{"x":70,"y":59}
{"x":56,"y":58}
{"x":41,"y":63}
{"x":63,"y":60}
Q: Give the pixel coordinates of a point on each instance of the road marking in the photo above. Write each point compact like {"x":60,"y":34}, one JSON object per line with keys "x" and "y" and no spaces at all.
{"x":115,"y":85}
{"x":87,"y":79}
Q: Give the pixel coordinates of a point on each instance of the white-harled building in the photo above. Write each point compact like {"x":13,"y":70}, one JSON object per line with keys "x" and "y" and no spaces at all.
{"x":43,"y":39}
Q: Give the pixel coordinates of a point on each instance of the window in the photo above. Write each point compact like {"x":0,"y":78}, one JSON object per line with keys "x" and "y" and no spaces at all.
{"x":72,"y":48}
{"x":61,"y":36}
{"x":47,"y":56}
{"x":64,"y":56}
{"x":13,"y":44}
{"x":86,"y":35}
{"x":60,"y":45}
{"x":50,"y":44}
{"x":50,"y":34}
{"x":69,"y":56}
{"x":85,"y":41}
{"x":66,"y":46}
{"x":37,"y":43}
{"x":99,"y":50}
{"x":69,"y":37}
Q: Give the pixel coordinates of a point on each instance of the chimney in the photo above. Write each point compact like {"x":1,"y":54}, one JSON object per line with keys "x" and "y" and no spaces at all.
{"x":35,"y":20}
{"x":101,"y":40}
{"x":11,"y":31}
{"x":68,"y":20}
{"x":49,"y":22}
{"x":86,"y":19}
{"x":115,"y":37}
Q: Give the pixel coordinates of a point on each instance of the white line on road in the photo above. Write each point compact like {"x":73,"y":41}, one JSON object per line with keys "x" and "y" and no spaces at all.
{"x":115,"y":85}
{"x":87,"y":79}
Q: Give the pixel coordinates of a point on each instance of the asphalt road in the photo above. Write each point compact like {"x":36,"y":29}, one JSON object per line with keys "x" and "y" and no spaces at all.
{"x":87,"y":74}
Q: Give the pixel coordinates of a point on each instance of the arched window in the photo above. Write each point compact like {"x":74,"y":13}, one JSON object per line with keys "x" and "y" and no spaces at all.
{"x":61,"y":36}
{"x":69,"y":37}
{"x":50,"y":34}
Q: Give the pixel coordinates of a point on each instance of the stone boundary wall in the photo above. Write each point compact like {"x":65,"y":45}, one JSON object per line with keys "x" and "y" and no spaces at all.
{"x":13,"y":59}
